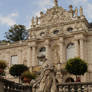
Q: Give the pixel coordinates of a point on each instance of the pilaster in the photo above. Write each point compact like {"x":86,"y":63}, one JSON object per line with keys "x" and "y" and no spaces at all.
{"x":80,"y":45}
{"x":77,"y":48}
{"x":34,"y":56}
{"x":29,"y":63}
{"x":82,"y":48}
{"x":48,"y":56}
{"x":61,"y":52}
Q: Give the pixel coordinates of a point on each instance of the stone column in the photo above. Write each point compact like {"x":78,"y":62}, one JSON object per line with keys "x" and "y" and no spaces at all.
{"x":82,"y":48}
{"x":48,"y":52}
{"x":34,"y":56}
{"x":29,"y":61}
{"x":61,"y":52}
{"x":77,"y":48}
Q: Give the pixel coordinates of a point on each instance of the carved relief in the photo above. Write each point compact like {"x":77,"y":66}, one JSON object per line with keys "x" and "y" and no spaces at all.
{"x":55,"y":15}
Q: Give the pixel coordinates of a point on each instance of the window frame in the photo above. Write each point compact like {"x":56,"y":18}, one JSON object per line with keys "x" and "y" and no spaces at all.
{"x":12,"y":59}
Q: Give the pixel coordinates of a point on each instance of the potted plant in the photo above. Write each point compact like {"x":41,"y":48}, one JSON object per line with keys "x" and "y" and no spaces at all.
{"x":77,"y":67}
{"x":17,"y":69}
{"x":27,"y":76}
{"x":3,"y":65}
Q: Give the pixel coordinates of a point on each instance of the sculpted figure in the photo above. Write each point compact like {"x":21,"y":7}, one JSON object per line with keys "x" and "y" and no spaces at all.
{"x":81,"y":11}
{"x":76,"y":12}
{"x":33,"y":21}
{"x":36,"y":20}
{"x":47,"y":83}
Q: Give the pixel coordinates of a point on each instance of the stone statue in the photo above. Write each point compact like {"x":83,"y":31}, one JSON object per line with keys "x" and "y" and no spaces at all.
{"x":76,"y":12}
{"x":56,"y":2}
{"x":36,"y":20}
{"x":33,"y":22}
{"x":47,"y":82}
{"x":81,"y":11}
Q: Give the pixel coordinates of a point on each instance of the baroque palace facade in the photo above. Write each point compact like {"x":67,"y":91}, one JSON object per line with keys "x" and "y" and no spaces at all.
{"x":54,"y":37}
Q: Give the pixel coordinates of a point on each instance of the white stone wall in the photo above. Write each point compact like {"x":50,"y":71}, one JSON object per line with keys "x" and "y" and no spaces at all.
{"x":22,"y":53}
{"x":89,"y":52}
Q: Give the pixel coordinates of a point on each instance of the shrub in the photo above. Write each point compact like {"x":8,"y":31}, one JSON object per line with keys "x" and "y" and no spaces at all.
{"x":76,"y":66}
{"x":3,"y":64}
{"x":17,"y":69}
{"x":27,"y":76}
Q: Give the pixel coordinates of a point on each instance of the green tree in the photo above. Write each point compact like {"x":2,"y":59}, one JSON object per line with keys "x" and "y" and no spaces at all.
{"x":3,"y":41}
{"x":76,"y":66}
{"x":16,"y":33}
{"x":17,"y":69}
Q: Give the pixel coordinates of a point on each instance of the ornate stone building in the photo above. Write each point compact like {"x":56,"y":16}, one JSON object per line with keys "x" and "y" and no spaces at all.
{"x":54,"y":37}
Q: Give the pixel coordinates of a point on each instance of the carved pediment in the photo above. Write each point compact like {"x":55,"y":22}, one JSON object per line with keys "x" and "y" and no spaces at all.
{"x":55,"y":15}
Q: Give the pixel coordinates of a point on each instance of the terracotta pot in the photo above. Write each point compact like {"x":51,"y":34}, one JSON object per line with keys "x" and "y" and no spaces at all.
{"x":1,"y":70}
{"x":26,"y":80}
{"x":78,"y":79}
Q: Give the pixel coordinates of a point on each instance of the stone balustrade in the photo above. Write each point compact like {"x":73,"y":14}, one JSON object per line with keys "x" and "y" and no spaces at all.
{"x":9,"y":86}
{"x":75,"y":87}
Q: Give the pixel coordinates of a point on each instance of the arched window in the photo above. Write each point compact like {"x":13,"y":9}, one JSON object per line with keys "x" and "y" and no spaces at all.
{"x":70,"y":51}
{"x":42,"y":49}
{"x":41,"y":55}
{"x":42,"y":33}
{"x":55,"y":31}
{"x":70,"y":29}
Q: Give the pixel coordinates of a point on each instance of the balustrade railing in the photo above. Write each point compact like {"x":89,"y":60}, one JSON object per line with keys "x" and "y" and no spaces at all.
{"x":9,"y":86}
{"x":75,"y":87}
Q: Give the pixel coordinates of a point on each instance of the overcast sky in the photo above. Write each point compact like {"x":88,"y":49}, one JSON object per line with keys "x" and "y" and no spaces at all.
{"x":21,"y":11}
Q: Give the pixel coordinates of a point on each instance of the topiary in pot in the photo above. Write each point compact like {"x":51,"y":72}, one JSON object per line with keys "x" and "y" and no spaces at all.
{"x":3,"y":65}
{"x":27,"y":76}
{"x":17,"y":69}
{"x":76,"y":66}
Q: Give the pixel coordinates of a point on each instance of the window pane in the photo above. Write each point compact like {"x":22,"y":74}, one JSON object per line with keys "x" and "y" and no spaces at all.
{"x":70,"y":51}
{"x":14,"y":60}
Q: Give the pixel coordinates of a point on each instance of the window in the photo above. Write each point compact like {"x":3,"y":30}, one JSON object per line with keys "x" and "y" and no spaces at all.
{"x":43,"y":49}
{"x":69,"y":29}
{"x":55,"y":31}
{"x":14,"y":59}
{"x":70,"y":51}
{"x":42,"y":34}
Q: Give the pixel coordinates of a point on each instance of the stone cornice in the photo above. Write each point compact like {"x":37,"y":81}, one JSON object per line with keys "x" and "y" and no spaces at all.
{"x":26,"y":43}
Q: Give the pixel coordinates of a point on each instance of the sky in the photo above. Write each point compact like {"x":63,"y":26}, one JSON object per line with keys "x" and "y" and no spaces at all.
{"x":21,"y":11}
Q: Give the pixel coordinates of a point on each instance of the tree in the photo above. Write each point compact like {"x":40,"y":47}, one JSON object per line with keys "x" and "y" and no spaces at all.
{"x":76,"y":66}
{"x":16,"y":33}
{"x":17,"y":69}
{"x":3,"y":41}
